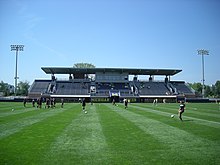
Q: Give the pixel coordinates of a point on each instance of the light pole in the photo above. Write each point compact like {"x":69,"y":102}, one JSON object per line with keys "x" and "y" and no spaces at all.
{"x":203,"y":52}
{"x":16,"y":48}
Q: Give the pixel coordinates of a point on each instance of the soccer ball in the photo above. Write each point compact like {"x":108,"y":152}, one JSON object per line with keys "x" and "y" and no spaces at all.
{"x":12,"y":109}
{"x":85,"y":112}
{"x":172,"y":116}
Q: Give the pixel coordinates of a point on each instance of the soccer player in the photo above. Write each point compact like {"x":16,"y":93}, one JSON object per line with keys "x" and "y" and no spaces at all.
{"x":181,"y":110}
{"x":33,"y":103}
{"x":126,"y":103}
{"x":155,"y":102}
{"x":62,"y":103}
{"x":113,"y":102}
{"x":47,"y":103}
{"x":83,"y":104}
{"x":39,"y":102}
{"x":54,"y":103}
{"x":24,"y":102}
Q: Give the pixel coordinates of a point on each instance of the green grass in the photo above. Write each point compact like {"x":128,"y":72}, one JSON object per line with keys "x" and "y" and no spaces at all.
{"x":107,"y":134}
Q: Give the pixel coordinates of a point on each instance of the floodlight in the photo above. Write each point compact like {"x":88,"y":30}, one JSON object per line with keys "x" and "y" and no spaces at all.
{"x":203,"y":52}
{"x":16,"y":48}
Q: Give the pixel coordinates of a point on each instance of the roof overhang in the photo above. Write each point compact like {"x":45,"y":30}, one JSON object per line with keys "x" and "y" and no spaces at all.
{"x":129,"y":71}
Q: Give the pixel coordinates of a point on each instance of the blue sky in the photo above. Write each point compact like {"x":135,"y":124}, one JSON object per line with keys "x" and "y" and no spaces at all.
{"x":162,"y":34}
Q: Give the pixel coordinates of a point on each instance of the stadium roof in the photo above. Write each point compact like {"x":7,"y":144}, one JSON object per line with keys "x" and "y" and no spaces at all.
{"x":71,"y":70}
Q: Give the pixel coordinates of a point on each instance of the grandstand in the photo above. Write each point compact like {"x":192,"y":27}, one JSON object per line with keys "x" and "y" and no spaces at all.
{"x":106,"y":84}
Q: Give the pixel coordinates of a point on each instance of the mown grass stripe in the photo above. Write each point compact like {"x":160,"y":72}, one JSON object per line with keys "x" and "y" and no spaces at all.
{"x":132,"y":136}
{"x":18,"y":108}
{"x":190,"y":110}
{"x":127,"y":143}
{"x":12,"y":110}
{"x":164,"y":113}
{"x":13,"y":116}
{"x":28,"y":146}
{"x":177,"y":140}
{"x":201,"y":130}
{"x":10,"y":113}
{"x":5,"y":106}
{"x":198,"y":111}
{"x":9,"y":128}
{"x":82,"y":141}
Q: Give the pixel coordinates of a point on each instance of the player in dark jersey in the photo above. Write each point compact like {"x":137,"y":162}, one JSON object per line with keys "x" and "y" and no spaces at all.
{"x":33,"y":103}
{"x":84,"y":104}
{"x":126,"y":103}
{"x":47,"y":103}
{"x":113,"y":102}
{"x":181,"y":110}
{"x":24,"y":102}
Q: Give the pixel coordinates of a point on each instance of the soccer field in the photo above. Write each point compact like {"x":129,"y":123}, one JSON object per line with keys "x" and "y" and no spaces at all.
{"x":107,"y":134}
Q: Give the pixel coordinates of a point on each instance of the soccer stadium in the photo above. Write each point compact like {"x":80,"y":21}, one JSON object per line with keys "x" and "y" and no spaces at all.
{"x":104,"y":130}
{"x":106,"y":84}
{"x":109,"y":82}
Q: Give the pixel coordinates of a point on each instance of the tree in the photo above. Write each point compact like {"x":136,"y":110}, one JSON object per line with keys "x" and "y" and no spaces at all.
{"x":197,"y":87}
{"x":217,"y":89}
{"x":83,"y":65}
{"x":23,"y":88}
{"x":208,"y":91}
{"x":6,"y":89}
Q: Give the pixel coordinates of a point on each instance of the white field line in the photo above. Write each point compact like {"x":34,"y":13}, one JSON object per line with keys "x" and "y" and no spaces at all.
{"x":89,"y":140}
{"x":173,"y":137}
{"x":200,"y":121}
{"x":15,"y":126}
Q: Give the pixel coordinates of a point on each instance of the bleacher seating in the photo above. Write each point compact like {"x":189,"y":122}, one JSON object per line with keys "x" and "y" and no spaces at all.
{"x":106,"y":89}
{"x":181,"y":87}
{"x":72,"y":88}
{"x":39,"y":87}
{"x":152,"y":88}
